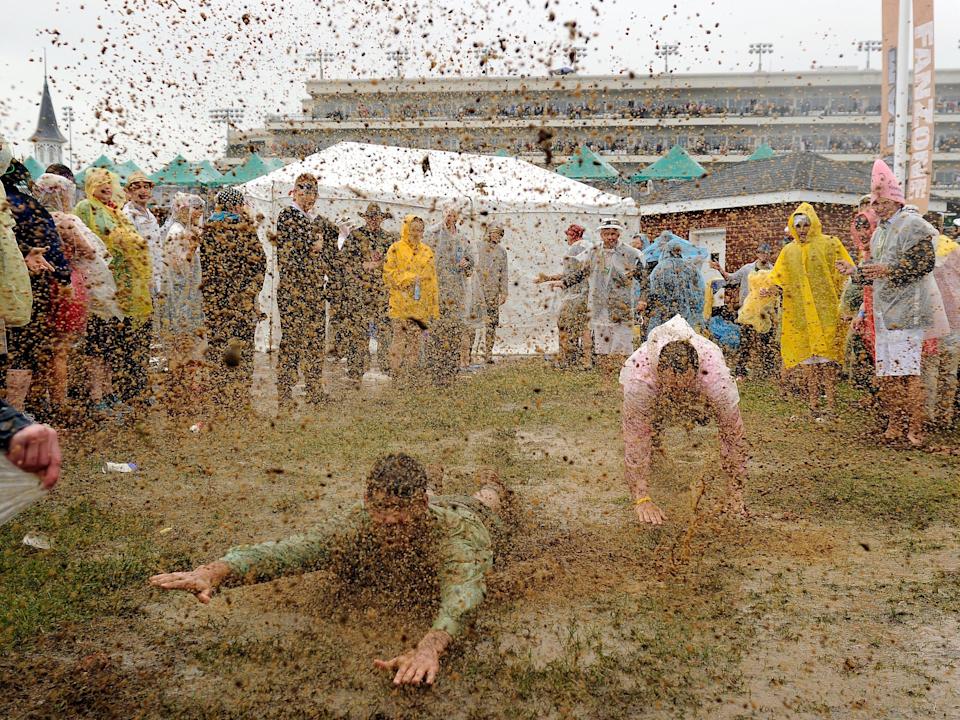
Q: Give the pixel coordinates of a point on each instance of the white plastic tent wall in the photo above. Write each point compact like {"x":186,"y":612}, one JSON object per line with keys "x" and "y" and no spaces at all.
{"x":534,"y":205}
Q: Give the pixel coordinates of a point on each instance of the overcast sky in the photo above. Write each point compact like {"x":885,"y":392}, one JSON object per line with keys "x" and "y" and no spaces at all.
{"x":141,"y":75}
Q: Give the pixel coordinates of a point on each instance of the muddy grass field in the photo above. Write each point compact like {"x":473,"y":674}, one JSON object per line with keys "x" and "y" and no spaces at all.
{"x":840,"y":599}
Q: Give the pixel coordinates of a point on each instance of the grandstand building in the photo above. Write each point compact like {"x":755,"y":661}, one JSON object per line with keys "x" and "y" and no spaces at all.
{"x":629,"y":120}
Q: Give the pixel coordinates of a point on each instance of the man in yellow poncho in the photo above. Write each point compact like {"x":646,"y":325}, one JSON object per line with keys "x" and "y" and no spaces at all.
{"x":410,"y":275}
{"x":807,"y":276}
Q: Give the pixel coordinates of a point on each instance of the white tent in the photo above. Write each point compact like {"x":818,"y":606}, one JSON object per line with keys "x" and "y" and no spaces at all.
{"x":534,"y":205}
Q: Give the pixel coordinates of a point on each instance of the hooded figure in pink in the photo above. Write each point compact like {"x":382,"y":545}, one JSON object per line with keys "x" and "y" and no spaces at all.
{"x":907,"y":308}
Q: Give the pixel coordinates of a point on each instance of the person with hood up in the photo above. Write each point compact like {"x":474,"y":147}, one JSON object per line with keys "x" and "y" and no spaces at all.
{"x":182,"y":324}
{"x":861,"y":231}
{"x":119,"y":348}
{"x":68,"y":313}
{"x":16,"y":295}
{"x":613,"y":268}
{"x":573,"y":320}
{"x":93,"y":281}
{"x":410,"y":276}
{"x":454,"y":263}
{"x":676,"y":288}
{"x":807,"y":276}
{"x":678,"y":374}
{"x":905,"y":302}
{"x":941,"y":399}
{"x":234,"y":264}
{"x":30,"y":344}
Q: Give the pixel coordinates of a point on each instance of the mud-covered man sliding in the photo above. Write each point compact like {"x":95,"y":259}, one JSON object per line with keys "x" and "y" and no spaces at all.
{"x":398,"y":524}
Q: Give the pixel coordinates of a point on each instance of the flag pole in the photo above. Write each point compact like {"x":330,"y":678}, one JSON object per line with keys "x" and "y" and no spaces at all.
{"x":903,"y":78}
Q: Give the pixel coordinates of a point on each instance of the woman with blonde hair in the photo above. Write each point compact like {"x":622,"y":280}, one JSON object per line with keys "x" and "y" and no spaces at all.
{"x":410,"y":275}
{"x":118,"y":347}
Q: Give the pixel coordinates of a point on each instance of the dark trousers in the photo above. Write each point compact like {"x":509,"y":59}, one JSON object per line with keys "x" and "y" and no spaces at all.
{"x":443,"y":350}
{"x":762,"y":347}
{"x":301,"y":346}
{"x":230,"y":384}
{"x":491,"y":323}
{"x":131,"y":361}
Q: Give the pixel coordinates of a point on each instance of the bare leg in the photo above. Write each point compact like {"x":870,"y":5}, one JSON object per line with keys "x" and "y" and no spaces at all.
{"x":587,"y":340}
{"x":914,"y":408}
{"x":99,"y":379}
{"x":466,"y":345}
{"x":18,"y":385}
{"x":58,"y":373}
{"x":564,"y":351}
{"x":930,"y":373}
{"x":813,"y":386}
{"x":829,"y":373}
{"x":890,"y":391}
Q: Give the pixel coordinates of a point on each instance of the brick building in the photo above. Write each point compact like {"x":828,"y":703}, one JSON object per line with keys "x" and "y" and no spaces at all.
{"x":735,"y":208}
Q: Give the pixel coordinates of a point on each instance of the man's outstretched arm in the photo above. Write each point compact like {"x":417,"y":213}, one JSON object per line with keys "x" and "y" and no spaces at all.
{"x":252,"y":563}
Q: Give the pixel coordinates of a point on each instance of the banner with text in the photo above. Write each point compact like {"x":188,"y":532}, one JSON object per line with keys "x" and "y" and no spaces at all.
{"x":920,"y":168}
{"x":888,"y":75}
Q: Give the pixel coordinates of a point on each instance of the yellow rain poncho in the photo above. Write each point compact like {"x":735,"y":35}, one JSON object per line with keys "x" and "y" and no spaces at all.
{"x":131,"y":264}
{"x":811,"y":284}
{"x":945,"y":246}
{"x":759,"y":312}
{"x":411,"y":277}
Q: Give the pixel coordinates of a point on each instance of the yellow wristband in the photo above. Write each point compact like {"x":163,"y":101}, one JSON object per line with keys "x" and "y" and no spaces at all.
{"x":641,"y":501}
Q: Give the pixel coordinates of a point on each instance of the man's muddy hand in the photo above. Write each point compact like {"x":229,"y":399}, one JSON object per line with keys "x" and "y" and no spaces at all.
{"x":202,"y":582}
{"x":414,"y":667}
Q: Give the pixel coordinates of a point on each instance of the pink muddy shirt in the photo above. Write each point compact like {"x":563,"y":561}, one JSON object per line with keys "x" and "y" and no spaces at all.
{"x":639,"y":380}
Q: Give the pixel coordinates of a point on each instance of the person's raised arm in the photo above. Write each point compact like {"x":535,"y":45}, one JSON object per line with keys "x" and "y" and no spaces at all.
{"x":728,"y":277}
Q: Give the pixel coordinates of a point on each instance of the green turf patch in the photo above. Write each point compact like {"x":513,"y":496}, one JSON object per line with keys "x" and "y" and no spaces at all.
{"x":95,"y":554}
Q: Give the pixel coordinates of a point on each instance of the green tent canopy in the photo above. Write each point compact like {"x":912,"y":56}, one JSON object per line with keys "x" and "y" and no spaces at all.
{"x":675,"y":165}
{"x":35,"y":168}
{"x":764,"y":152}
{"x":183,"y":173}
{"x":250,"y":169}
{"x":585,"y":164}
{"x":101,"y":162}
{"x":168,"y":170}
{"x":125,"y":170}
